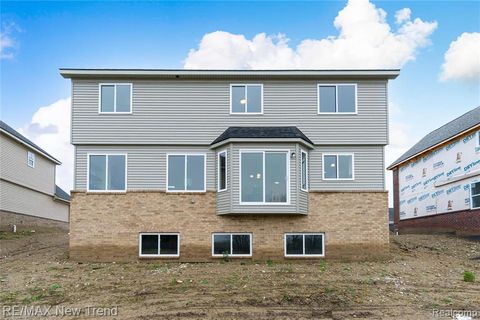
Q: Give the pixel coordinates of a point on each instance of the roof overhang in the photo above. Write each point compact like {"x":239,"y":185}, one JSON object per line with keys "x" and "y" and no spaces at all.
{"x":73,"y":73}
{"x":262,"y":140}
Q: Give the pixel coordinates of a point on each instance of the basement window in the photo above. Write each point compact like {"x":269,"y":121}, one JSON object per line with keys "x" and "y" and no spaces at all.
{"x":304,"y":245}
{"x":232,"y":244}
{"x":475,"y":195}
{"x":159,"y":245}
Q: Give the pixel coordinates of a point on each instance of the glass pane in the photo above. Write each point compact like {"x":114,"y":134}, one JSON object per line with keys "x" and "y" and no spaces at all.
{"x":330,"y":167}
{"x":149,"y":244}
{"x":195,"y":172}
{"x":116,"y":173}
{"x":168,"y":244}
{"x":97,"y":171}
{"x":313,"y":244}
{"x":295,"y":244}
{"x":239,"y":101}
{"x":275,"y":177}
{"x":475,"y":188}
{"x":252,"y":177}
{"x":106,"y":104}
{"x":176,"y":173}
{"x":221,"y":244}
{"x":254,"y":99}
{"x":346,"y":98}
{"x":241,"y":244}
{"x":476,"y":202}
{"x":223,"y":171}
{"x":123,"y":98}
{"x":304,"y":170}
{"x":345,"y":167}
{"x":327,"y":99}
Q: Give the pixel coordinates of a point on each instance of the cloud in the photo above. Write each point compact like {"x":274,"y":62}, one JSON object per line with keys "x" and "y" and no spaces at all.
{"x":364,"y":40}
{"x":462,"y":59}
{"x":7,"y":42}
{"x":50,"y":129}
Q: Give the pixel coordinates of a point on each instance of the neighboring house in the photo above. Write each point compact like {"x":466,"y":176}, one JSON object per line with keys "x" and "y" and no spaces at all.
{"x":197,"y":164}
{"x":436,"y":183}
{"x":28,"y":194}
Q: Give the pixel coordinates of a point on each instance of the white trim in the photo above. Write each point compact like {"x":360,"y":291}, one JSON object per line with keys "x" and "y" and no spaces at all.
{"x":336,"y":98}
{"x":471,"y":196}
{"x":31,"y":155}
{"x":106,"y":171}
{"x":302,"y":152}
{"x":224,"y":151}
{"x":231,"y":234}
{"x":114,"y":84}
{"x":158,"y":255}
{"x":303,"y":247}
{"x":185,"y":154}
{"x":338,"y":170}
{"x":263,"y":203}
{"x":246,"y":97}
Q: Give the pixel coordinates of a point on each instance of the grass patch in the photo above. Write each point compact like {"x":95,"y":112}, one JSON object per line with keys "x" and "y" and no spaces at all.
{"x":8,"y":235}
{"x":469,"y":276}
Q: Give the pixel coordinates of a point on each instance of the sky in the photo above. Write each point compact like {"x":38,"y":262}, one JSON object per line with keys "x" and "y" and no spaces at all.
{"x":435,"y":43}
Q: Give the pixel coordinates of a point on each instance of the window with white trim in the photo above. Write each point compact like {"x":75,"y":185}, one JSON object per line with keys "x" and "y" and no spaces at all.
{"x":31,"y":159}
{"x":232,"y":244}
{"x":186,"y":172}
{"x":246,"y":98}
{"x":222,"y":170}
{"x":264,"y":177}
{"x":159,"y":244}
{"x":475,"y":195}
{"x":338,"y":167}
{"x":304,"y":170}
{"x":304,"y":245}
{"x":115,"y":98}
{"x":107,"y":172}
{"x":337,"y":98}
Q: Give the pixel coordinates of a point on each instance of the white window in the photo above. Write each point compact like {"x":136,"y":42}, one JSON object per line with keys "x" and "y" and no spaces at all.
{"x":304,"y":245}
{"x":475,"y":195}
{"x":337,"y":98}
{"x":338,"y":167}
{"x":304,"y":170}
{"x":186,"y":172}
{"x":264,"y":177}
{"x":222,"y":170}
{"x":31,"y":159}
{"x":107,"y":172}
{"x":159,"y":244}
{"x":115,"y":98}
{"x":232,"y":244}
{"x":246,"y":99}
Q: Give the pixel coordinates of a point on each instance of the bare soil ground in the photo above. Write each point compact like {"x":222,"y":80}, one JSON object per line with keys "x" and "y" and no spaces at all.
{"x":425,"y":272}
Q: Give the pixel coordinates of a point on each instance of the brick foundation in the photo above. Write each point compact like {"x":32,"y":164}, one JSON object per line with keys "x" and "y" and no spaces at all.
{"x":105,"y":227}
{"x":26,"y":222}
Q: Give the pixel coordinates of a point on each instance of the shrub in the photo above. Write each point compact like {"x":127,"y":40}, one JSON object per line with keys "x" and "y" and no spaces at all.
{"x":270,"y":263}
{"x":468,"y":276}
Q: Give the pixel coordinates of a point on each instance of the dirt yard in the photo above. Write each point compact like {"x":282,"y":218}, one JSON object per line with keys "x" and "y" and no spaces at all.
{"x":424,"y":273}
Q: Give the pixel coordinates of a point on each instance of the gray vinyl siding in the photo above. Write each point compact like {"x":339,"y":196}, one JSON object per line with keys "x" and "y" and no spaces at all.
{"x":17,"y":199}
{"x":196,"y":112}
{"x":14,"y":167}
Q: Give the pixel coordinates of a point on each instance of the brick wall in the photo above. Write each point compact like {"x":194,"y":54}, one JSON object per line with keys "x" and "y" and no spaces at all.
{"x":105,"y":227}
{"x":26,"y":222}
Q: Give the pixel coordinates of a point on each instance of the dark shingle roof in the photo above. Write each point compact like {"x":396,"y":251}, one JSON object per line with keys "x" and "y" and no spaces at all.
{"x":451,"y":129}
{"x":262,"y":132}
{"x":59,"y":193}
{"x":20,"y":137}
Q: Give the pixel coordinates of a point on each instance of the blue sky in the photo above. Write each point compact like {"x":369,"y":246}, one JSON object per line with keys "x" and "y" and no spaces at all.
{"x":50,"y":35}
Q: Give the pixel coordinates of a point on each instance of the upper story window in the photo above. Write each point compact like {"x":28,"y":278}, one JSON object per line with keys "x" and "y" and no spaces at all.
{"x":246,"y":99}
{"x":264,"y":177}
{"x":31,"y":159}
{"x":304,"y":170}
{"x":475,"y":195}
{"x":107,"y":172}
{"x":186,"y":172}
{"x":338,"y":167}
{"x":337,"y":98}
{"x":115,"y":98}
{"x":222,"y":170}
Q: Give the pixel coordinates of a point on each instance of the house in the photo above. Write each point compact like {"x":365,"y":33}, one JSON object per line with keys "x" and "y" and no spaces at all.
{"x":28,"y":193}
{"x":200,"y":164}
{"x":436,"y":184}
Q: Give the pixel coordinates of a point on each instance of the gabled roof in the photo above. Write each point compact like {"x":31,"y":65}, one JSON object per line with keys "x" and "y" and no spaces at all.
{"x":60,"y":194}
{"x":20,"y":138}
{"x":265,"y":133}
{"x":455,"y":127}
